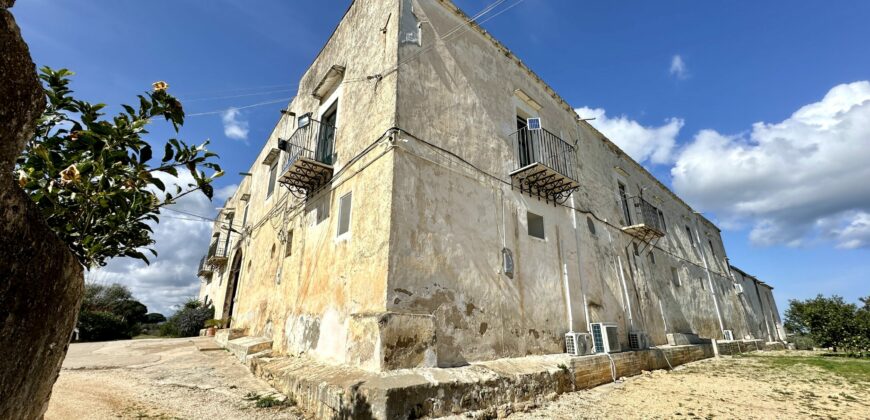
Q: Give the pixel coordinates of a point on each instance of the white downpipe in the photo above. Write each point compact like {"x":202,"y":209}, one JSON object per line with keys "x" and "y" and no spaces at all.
{"x":709,"y":277}
{"x":564,"y":267}
{"x":626,"y":304}
{"x":662,"y":310}
{"x":579,"y":263}
{"x":625,"y":292}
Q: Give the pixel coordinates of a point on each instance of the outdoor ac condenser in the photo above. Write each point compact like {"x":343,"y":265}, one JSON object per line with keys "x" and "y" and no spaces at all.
{"x":638,"y":340}
{"x":605,"y":338}
{"x":578,"y":344}
{"x":729,"y":335}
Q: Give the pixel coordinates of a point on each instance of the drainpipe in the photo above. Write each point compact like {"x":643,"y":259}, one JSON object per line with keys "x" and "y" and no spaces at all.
{"x":580,"y":263}
{"x":627,"y":301}
{"x":564,"y":267}
{"x":709,"y":276}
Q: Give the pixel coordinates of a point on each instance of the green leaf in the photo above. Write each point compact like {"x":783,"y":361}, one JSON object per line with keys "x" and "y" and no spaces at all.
{"x":168,"y":153}
{"x":145,"y":154}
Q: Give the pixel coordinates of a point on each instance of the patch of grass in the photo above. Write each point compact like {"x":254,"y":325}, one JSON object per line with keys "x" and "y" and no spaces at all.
{"x":848,"y":368}
{"x":562,"y":367}
{"x":267,"y":401}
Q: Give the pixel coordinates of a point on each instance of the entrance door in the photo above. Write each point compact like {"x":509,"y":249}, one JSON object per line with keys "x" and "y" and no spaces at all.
{"x":326,"y":139}
{"x":233,"y":287}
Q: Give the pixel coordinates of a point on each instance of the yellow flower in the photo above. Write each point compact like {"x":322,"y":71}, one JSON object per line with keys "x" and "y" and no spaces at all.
{"x":161,"y":85}
{"x":69,"y":175}
{"x":22,"y":179}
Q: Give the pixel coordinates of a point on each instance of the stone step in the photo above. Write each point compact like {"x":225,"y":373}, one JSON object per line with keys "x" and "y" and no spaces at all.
{"x":224,"y":335}
{"x":246,"y":346}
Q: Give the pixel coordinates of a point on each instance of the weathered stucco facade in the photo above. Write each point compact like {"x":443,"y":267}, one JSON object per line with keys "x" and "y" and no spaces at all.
{"x":396,"y":259}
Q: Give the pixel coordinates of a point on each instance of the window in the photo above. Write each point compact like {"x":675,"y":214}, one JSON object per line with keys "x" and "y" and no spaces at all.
{"x":288,"y":247}
{"x":344,"y":205}
{"x":636,"y":251}
{"x":536,"y":225}
{"x":245,"y":215}
{"x":662,"y":219}
{"x":703,"y":286}
{"x":652,"y":257}
{"x":623,"y":197}
{"x":273,"y":173}
{"x":675,"y":277}
{"x":712,"y":250}
{"x":689,"y":234}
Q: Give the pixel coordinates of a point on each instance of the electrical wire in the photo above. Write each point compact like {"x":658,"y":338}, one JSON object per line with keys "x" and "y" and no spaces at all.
{"x":244,"y":89}
{"x":221,"y":111}
{"x":215,"y":98}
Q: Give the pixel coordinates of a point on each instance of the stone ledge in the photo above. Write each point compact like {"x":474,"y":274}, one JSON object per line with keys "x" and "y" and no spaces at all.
{"x":328,"y":391}
{"x":245,"y":347}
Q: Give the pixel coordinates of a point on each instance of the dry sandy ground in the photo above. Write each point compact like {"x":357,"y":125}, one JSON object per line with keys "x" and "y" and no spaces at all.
{"x":741,"y":388}
{"x":159,"y":379}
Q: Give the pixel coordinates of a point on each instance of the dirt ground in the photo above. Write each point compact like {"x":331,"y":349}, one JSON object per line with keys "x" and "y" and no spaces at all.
{"x":768,"y":385}
{"x":158,"y":379}
{"x":172,"y":379}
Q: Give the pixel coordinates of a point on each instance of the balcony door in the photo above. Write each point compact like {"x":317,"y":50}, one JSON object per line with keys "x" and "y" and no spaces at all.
{"x":524,"y":143}
{"x":326,"y":138}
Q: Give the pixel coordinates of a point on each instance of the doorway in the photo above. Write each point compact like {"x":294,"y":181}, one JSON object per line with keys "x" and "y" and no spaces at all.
{"x":326,"y":138}
{"x":232,"y":288}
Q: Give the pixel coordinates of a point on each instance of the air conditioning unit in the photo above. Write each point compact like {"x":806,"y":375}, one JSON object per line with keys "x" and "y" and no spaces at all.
{"x":605,"y":338}
{"x":738,"y":288}
{"x":638,"y":340}
{"x":578,"y":344}
{"x":729,"y":335}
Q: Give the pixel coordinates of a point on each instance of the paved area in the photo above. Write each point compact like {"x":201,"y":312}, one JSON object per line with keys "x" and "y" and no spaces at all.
{"x":159,"y":378}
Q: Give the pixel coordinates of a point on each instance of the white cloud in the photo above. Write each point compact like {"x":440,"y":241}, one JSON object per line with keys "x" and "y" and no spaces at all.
{"x":803,"y":178}
{"x":678,"y":67}
{"x":233,"y":127}
{"x":654,"y":144}
{"x":180,"y":242}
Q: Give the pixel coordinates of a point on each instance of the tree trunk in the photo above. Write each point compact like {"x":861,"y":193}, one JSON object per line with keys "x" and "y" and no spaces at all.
{"x":41,"y":282}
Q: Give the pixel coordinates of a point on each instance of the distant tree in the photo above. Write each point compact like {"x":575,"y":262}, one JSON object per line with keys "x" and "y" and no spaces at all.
{"x":93,"y":178}
{"x":154,"y":318}
{"x":110,"y":313}
{"x":830,"y":322}
{"x":188,"y":320}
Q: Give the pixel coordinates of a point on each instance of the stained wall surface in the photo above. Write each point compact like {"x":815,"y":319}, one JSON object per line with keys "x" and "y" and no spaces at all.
{"x":426,"y":146}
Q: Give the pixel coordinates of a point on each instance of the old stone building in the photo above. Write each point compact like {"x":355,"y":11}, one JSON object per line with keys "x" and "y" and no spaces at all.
{"x":427,"y":200}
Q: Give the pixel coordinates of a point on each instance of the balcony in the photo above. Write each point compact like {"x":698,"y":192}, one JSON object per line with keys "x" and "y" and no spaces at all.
{"x":217,"y":254}
{"x":309,"y":158}
{"x":547,"y":164}
{"x":649,"y":224}
{"x":204,"y":267}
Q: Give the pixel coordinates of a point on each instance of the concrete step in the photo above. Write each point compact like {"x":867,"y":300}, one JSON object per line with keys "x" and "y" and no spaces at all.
{"x":246,"y":346}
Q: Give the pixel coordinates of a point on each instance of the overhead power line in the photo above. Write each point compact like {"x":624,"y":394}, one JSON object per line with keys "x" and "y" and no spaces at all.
{"x":214,"y":98}
{"x":221,"y":111}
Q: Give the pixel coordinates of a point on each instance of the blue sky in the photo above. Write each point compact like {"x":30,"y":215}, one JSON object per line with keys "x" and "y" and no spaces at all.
{"x":680,"y":85}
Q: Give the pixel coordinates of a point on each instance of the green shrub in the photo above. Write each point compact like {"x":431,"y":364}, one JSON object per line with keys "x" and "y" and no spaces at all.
{"x":102,"y":326}
{"x":188,"y":320}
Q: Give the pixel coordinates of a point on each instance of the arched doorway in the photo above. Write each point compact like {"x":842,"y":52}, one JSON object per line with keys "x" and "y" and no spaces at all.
{"x":232,"y":287}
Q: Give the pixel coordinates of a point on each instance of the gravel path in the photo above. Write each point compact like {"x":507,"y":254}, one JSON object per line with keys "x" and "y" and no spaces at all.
{"x":158,"y":378}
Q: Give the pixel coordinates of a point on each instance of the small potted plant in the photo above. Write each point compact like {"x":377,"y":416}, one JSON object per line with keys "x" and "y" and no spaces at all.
{"x":211,"y":326}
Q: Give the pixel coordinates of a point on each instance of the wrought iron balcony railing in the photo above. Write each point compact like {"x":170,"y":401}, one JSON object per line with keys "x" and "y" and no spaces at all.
{"x":546,"y":164}
{"x":217,"y":253}
{"x":649,"y":223}
{"x":204,"y":267}
{"x":309,"y":158}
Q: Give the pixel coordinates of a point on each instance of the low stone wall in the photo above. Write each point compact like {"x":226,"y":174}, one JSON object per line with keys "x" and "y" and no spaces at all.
{"x":343,"y":392}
